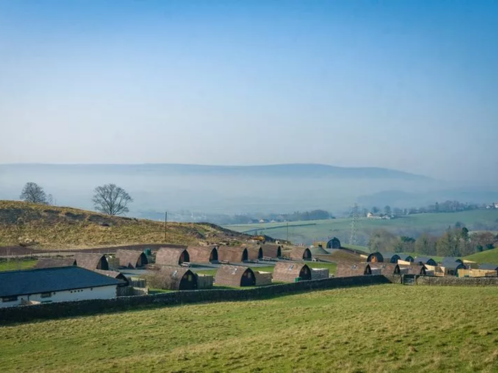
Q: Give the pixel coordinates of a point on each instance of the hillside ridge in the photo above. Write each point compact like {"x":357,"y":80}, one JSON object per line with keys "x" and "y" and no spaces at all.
{"x":44,"y":226}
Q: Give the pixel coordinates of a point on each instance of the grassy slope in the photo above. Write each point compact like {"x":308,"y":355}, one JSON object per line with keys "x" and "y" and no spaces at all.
{"x":432,"y":223}
{"x":488,"y":256}
{"x":368,"y":329}
{"x":62,"y":227}
{"x":13,"y":265}
{"x":331,"y":266}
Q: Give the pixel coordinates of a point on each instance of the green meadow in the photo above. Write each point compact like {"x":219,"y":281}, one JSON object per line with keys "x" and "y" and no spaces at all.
{"x":383,"y":328}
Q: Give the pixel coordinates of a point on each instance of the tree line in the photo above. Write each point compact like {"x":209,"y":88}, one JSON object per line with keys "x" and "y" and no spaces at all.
{"x":108,"y":199}
{"x":456,"y":241}
{"x":447,"y":206}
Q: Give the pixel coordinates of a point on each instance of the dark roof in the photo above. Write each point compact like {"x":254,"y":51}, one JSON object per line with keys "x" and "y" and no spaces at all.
{"x":488,"y":266}
{"x":452,"y":265}
{"x":422,"y":259}
{"x":451,"y":259}
{"x":390,"y":255}
{"x":44,"y":280}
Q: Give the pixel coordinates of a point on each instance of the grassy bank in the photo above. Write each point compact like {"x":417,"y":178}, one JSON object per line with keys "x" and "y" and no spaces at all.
{"x":12,"y":265}
{"x":370,"y":329}
{"x":488,"y":256}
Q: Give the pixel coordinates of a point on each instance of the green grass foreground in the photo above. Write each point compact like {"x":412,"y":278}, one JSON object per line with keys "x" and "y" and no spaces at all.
{"x":383,"y":328}
{"x":15,"y":264}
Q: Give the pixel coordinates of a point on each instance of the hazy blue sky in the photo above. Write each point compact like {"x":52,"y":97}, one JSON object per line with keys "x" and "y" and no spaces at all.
{"x":411,"y":85}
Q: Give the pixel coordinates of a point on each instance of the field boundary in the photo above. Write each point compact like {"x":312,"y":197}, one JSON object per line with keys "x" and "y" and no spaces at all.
{"x":98,"y":306}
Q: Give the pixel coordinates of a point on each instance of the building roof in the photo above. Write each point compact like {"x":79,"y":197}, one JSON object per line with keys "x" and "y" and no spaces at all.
{"x":113,"y":274}
{"x":422,"y":259}
{"x":253,"y":252}
{"x":129,"y":258}
{"x":386,"y":268}
{"x":90,"y":261}
{"x":488,"y":266}
{"x":201,"y":254}
{"x":172,"y":276}
{"x":450,"y":264}
{"x":288,"y":271}
{"x":231,"y":253}
{"x":171,"y":256}
{"x":231,"y":275}
{"x":271,"y":250}
{"x":298,"y":253}
{"x":55,"y":262}
{"x":44,"y":280}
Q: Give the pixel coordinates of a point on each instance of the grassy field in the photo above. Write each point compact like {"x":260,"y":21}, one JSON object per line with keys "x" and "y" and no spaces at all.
{"x":488,"y":256}
{"x":410,"y":225}
{"x":63,"y":227}
{"x":369,"y":329}
{"x":13,"y":265}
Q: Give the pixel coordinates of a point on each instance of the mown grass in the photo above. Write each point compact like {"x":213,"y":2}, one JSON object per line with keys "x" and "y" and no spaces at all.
{"x":369,"y":329}
{"x":63,"y":227}
{"x":488,"y":256}
{"x":12,"y":265}
{"x":408,"y":225}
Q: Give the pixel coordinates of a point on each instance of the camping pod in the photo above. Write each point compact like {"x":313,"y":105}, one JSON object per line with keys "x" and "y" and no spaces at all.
{"x":254,"y":252}
{"x":92,"y":261}
{"x":334,"y":243}
{"x":131,"y":258}
{"x":272,"y":250}
{"x":233,"y":254}
{"x":290,"y":272}
{"x":375,"y":258}
{"x":114,"y":274}
{"x":203,"y":254}
{"x":177,"y":278}
{"x":228,"y":275}
{"x":390,"y":257}
{"x":300,"y":253}
{"x":387,"y":269}
{"x":172,"y":256}
{"x":353,"y":269}
{"x":424,"y":260}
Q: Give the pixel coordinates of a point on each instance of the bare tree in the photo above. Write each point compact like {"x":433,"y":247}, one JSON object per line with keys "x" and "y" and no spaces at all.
{"x":34,"y":193}
{"x":111,"y":199}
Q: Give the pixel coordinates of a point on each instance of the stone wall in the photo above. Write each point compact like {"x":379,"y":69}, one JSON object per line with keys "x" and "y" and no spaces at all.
{"x":457,"y":281}
{"x":90,"y":307}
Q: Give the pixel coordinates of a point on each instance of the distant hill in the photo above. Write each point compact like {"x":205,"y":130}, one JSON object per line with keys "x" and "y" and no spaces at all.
{"x":63,"y":228}
{"x":279,"y":170}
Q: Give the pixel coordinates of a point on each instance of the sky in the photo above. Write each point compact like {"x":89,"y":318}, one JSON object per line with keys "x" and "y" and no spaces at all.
{"x":408,"y":85}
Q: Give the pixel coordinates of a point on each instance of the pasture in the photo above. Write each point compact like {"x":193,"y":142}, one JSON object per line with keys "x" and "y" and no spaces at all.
{"x":410,"y":225}
{"x":488,"y":256}
{"x":367,"y":329}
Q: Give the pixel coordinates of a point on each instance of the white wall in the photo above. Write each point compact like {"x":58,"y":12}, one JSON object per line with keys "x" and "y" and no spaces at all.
{"x":103,"y":292}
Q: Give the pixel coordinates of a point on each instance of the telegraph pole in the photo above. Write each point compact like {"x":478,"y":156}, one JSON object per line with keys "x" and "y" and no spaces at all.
{"x":165,"y":224}
{"x":287,"y":231}
{"x":354,"y":225}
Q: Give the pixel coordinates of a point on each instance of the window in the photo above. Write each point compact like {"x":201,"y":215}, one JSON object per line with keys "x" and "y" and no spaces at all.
{"x":9,"y":299}
{"x":46,"y":295}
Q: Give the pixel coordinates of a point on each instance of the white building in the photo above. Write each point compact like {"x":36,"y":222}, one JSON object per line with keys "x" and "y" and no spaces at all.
{"x":50,"y":285}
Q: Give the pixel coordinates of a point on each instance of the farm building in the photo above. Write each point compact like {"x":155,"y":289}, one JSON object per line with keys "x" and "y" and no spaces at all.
{"x":334,"y":243}
{"x":272,"y":250}
{"x":55,"y":262}
{"x":51,"y":285}
{"x":254,"y":252}
{"x":171,"y":256}
{"x":131,"y":258}
{"x":203,"y":254}
{"x":300,"y":253}
{"x":390,"y":257}
{"x":177,"y":278}
{"x":289,"y":272}
{"x":425,"y":260}
{"x":233,"y":254}
{"x":375,"y":258}
{"x":350,"y":269}
{"x":450,"y":267}
{"x":387,"y":268}
{"x":114,"y":274}
{"x":235,"y":276}
{"x":92,"y":261}
{"x":263,"y":278}
{"x":477,"y":273}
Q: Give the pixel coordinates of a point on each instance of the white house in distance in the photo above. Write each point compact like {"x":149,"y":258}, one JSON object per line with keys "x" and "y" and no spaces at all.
{"x":51,"y":285}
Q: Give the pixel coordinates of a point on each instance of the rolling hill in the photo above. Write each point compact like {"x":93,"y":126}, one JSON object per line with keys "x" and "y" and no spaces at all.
{"x":488,"y":256}
{"x":57,"y":227}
